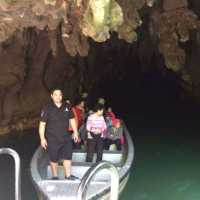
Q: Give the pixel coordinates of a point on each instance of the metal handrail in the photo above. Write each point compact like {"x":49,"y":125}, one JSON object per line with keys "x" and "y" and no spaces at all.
{"x":15,"y":155}
{"x":82,"y":189}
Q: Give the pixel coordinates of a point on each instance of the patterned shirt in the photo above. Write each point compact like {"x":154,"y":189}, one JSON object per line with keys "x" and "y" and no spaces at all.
{"x":96,"y":124}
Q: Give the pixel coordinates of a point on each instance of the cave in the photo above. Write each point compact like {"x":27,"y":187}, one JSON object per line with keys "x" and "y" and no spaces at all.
{"x":42,"y":46}
{"x":142,"y":56}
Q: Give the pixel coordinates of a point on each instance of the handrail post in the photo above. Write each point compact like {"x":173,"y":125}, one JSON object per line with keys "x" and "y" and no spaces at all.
{"x":16,"y":158}
{"x":81,"y":194}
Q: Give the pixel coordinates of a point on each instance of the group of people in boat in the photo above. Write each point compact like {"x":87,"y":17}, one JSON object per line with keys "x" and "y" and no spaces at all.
{"x":64,"y":127}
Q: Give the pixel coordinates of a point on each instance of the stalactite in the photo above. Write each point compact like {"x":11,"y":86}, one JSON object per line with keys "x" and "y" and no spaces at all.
{"x":41,"y":43}
{"x":173,"y":27}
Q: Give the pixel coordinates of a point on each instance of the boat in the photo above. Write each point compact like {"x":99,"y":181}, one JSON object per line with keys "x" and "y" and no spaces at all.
{"x":100,"y":185}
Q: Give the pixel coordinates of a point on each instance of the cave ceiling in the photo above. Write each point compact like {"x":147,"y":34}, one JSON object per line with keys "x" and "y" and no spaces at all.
{"x":49,"y":41}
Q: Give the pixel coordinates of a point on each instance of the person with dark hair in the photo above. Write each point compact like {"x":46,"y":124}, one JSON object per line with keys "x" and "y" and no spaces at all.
{"x":101,"y":101}
{"x":110,"y":113}
{"x":95,"y":126}
{"x":109,"y":117}
{"x":54,"y":137}
{"x":115,"y":135}
{"x":68,"y":103}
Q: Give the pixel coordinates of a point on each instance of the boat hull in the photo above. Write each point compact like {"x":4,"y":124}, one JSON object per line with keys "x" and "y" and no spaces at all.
{"x":105,"y":196}
{"x":99,"y":188}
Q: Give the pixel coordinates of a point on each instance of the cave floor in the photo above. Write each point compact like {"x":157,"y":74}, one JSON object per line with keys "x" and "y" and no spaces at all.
{"x":166,"y":163}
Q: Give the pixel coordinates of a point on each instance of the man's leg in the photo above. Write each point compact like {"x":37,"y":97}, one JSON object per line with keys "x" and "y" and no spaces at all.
{"x":53,"y":154}
{"x":67,"y":167}
{"x":65,"y":154}
{"x":54,"y":168}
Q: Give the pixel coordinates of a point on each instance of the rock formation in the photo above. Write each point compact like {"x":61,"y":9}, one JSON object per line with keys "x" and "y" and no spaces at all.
{"x":47,"y":42}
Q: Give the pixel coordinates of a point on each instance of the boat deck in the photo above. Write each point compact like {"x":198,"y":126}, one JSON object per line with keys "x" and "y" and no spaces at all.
{"x":56,"y":190}
{"x":80,"y":167}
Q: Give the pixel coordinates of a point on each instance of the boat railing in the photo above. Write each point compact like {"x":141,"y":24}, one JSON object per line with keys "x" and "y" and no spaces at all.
{"x":82,"y":189}
{"x":16,"y":157}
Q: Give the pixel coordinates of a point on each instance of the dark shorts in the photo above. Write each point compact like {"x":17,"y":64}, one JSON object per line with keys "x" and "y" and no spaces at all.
{"x":60,"y":151}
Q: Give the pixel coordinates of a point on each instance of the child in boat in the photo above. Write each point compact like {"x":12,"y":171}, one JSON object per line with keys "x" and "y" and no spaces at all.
{"x":115,"y":135}
{"x":95,"y":126}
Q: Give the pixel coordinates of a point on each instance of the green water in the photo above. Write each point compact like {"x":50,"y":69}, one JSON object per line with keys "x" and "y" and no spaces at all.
{"x":167,"y":161}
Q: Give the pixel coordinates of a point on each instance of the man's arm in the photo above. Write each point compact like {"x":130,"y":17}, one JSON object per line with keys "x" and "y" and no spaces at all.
{"x":72,"y":122}
{"x":43,"y":141}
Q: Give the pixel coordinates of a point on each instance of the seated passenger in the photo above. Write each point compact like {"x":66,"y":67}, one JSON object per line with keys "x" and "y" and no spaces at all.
{"x":115,"y":135}
{"x":110,"y":113}
{"x":95,"y":126}
{"x":109,"y":117}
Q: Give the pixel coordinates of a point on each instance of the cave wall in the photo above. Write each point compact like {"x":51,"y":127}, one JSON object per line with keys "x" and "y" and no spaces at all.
{"x":29,"y":68}
{"x":75,"y":44}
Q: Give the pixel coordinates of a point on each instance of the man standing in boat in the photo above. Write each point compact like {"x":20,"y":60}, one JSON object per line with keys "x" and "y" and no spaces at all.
{"x":54,"y":137}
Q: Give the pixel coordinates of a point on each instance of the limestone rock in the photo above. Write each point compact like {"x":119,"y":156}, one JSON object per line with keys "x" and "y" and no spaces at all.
{"x":174,"y":4}
{"x":173,"y":27}
{"x":46,"y":42}
{"x":100,"y":18}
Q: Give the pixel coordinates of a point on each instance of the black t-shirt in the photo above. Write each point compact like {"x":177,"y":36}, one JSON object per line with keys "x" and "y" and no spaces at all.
{"x":57,"y":121}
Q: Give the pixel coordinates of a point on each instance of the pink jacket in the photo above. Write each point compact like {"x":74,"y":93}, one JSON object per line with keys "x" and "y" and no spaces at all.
{"x":96,"y":124}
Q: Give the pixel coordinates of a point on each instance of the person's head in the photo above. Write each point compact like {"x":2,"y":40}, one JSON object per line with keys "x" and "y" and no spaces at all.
{"x":90,"y":112}
{"x":116,"y":123}
{"x":81,"y":103}
{"x":98,"y":109}
{"x":56,"y":95}
{"x":101,"y":101}
{"x":84,"y":95}
{"x":109,"y":109}
{"x":68,"y":101}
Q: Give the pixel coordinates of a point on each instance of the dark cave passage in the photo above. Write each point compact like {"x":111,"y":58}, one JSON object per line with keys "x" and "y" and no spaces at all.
{"x":149,"y":94}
